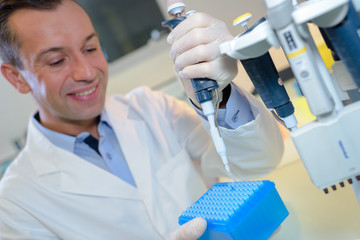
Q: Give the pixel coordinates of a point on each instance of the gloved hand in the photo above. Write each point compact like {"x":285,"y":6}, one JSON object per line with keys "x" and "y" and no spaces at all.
{"x":191,"y":230}
{"x":196,"y":54}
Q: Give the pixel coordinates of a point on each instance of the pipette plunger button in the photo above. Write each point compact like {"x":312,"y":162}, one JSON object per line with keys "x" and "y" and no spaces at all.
{"x":176,"y":9}
{"x":242,"y":20}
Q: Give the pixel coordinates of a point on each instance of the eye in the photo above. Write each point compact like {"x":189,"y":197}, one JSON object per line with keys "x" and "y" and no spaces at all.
{"x":90,"y":50}
{"x":56,"y":63}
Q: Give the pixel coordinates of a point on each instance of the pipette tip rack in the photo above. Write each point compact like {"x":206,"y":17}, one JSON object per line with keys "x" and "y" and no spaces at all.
{"x":239,"y":210}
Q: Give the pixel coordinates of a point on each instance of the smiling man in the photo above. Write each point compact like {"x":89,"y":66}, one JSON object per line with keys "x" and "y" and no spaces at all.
{"x":121,"y":167}
{"x":62,"y":65}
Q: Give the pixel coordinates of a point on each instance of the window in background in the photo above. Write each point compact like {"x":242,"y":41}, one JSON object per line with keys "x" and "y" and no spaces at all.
{"x":123,"y":25}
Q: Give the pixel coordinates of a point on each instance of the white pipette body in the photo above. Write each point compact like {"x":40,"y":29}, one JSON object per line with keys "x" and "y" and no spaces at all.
{"x":209,"y":112}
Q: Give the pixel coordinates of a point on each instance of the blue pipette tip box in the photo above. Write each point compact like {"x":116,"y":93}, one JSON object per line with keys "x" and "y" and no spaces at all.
{"x":239,"y":210}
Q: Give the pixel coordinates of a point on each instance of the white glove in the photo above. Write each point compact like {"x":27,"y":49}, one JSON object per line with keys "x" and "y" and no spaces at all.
{"x":191,"y":230}
{"x":196,"y":53}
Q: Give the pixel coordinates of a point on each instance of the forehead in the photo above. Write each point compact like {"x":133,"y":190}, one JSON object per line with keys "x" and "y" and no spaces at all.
{"x":38,"y":29}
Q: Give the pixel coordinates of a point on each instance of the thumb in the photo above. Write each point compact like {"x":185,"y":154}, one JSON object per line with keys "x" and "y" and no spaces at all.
{"x":191,"y":230}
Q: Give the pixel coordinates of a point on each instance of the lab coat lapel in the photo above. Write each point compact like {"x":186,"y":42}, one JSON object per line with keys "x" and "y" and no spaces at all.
{"x":133,"y":138}
{"x":93,"y":181}
{"x":76,"y":175}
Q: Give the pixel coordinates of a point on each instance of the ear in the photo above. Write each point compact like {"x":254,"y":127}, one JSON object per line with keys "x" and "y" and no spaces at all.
{"x":12,"y":74}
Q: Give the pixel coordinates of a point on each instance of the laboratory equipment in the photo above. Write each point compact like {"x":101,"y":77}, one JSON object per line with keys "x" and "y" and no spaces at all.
{"x":327,"y":146}
{"x":203,"y":88}
{"x":264,"y":75}
{"x":239,"y":210}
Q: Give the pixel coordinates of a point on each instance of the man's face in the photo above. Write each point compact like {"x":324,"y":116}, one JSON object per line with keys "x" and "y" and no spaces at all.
{"x":63,"y":63}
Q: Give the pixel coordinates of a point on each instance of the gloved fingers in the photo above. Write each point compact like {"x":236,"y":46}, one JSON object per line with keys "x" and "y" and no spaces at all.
{"x":223,"y":69}
{"x":195,"y":49}
{"x":187,"y":84}
{"x":196,"y":20}
{"x":191,"y":230}
{"x":196,"y":55}
{"x":196,"y":52}
{"x":195,"y":37}
{"x":200,"y":70}
{"x":189,"y":90}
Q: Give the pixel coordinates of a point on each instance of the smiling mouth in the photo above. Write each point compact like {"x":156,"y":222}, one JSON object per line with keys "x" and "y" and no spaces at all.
{"x":85,"y":93}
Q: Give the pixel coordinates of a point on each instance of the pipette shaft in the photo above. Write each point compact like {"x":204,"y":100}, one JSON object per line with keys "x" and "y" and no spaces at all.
{"x":209,"y":111}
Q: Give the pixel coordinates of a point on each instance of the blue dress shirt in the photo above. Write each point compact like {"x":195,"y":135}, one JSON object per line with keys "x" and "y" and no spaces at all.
{"x":105,"y":153}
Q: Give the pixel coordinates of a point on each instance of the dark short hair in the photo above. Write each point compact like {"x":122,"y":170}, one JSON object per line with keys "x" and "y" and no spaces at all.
{"x":9,"y":42}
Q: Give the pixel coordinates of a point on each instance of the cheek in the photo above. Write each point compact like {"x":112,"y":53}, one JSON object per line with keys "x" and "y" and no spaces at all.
{"x":47,"y":87}
{"x":100,"y":62}
{"x":102,"y":67}
{"x":56,"y":82}
{"x":47,"y":90}
{"x":42,"y":91}
{"x":33,"y":82}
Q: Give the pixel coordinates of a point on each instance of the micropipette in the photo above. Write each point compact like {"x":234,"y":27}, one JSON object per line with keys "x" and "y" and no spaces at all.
{"x":203,"y":91}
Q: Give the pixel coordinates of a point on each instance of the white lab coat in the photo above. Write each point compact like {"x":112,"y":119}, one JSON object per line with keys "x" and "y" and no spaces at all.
{"x":49,"y":193}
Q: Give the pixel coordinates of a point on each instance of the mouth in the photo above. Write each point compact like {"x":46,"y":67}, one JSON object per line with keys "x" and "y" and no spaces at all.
{"x":85,"y":93}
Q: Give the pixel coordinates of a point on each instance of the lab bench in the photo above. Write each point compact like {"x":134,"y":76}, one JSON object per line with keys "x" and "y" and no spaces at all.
{"x":313,"y":215}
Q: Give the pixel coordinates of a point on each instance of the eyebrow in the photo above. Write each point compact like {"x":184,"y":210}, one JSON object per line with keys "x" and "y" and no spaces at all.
{"x":55,"y":49}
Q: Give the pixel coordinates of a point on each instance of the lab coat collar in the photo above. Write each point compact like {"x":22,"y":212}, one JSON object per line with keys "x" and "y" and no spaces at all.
{"x":48,"y":159}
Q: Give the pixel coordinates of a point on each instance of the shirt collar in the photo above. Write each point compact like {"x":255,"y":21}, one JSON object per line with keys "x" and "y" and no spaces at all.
{"x":65,"y":141}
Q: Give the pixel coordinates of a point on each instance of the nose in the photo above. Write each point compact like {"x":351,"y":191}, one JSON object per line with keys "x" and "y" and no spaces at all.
{"x":83,"y":70}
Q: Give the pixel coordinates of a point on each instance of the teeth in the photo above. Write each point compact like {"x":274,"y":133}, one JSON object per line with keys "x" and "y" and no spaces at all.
{"x":86,"y":92}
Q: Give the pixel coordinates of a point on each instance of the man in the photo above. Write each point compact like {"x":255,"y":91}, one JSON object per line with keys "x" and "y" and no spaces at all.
{"x":123,"y":171}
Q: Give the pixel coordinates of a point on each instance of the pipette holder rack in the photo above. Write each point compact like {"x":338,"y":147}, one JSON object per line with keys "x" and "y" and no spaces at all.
{"x":239,"y":210}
